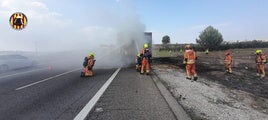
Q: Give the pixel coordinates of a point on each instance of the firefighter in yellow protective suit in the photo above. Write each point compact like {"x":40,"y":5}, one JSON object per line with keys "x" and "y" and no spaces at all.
{"x":206,"y":51}
{"x":146,"y":58}
{"x":138,"y":62}
{"x":260,"y":61}
{"x":88,"y":65}
{"x":189,"y":60}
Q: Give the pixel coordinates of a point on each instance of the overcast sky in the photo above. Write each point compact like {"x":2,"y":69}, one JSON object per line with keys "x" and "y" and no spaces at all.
{"x":72,"y":24}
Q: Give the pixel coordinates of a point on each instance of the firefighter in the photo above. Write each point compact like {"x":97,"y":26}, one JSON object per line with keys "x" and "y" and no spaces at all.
{"x":206,"y":51}
{"x":260,"y":61}
{"x":189,"y":60}
{"x":138,"y":62}
{"x":88,"y":65}
{"x":146,"y":58}
{"x":228,"y":62}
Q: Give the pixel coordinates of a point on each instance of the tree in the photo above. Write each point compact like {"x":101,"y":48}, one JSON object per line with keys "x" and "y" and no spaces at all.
{"x":166,"y":39}
{"x":210,"y":38}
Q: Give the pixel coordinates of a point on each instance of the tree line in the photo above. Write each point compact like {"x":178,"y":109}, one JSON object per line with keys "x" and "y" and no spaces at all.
{"x":223,"y":46}
{"x":211,"y":39}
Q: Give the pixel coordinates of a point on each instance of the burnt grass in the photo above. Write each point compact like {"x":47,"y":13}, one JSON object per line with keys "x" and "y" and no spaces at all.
{"x":241,"y":78}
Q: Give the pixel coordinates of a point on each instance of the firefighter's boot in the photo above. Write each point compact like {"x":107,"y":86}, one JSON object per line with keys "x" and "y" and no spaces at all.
{"x":188,"y":77}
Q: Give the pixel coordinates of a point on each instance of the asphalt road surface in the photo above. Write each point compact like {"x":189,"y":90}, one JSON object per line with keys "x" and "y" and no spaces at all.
{"x":131,"y":96}
{"x":47,"y":93}
{"x":57,"y":96}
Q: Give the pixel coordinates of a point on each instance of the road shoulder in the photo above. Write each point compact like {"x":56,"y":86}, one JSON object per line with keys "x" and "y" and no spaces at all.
{"x":204,"y":99}
{"x":176,"y":108}
{"x":131,"y":96}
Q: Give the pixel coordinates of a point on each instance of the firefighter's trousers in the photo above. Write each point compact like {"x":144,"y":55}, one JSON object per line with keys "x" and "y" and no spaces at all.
{"x":191,"y":70}
{"x":88,"y":72}
{"x":145,"y":65}
{"x":261,"y":70}
{"x":228,"y":67}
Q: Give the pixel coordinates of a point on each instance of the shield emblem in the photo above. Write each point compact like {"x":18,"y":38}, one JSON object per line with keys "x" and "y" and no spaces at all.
{"x":18,"y":21}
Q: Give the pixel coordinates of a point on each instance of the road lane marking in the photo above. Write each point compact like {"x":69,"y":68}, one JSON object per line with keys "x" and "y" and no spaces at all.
{"x":22,"y":73}
{"x":83,"y":113}
{"x":47,"y":79}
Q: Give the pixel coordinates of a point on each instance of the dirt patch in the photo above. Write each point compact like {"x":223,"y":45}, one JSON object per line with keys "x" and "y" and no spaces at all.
{"x":241,"y":79}
{"x":216,"y":95}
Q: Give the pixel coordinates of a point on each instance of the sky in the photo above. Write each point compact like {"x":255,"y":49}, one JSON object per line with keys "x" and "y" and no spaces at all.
{"x":183,"y":20}
{"x":78,"y":24}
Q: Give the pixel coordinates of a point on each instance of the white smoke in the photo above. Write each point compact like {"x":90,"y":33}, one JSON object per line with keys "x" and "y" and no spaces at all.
{"x":115,"y":36}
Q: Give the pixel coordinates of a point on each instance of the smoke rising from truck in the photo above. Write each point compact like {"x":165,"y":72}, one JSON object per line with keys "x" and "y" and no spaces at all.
{"x":113,"y":32}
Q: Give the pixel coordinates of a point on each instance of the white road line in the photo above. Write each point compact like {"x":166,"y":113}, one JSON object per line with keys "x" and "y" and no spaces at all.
{"x":21,"y":73}
{"x":47,"y":79}
{"x":83,"y":113}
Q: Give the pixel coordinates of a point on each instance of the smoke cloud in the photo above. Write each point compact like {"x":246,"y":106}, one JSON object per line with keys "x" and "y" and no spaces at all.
{"x":113,"y":32}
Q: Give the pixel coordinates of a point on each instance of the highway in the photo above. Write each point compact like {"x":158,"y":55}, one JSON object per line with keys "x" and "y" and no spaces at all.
{"x":61,"y":94}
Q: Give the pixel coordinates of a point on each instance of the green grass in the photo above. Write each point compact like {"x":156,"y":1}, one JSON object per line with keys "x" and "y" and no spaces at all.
{"x":165,"y":53}
{"x":235,"y":52}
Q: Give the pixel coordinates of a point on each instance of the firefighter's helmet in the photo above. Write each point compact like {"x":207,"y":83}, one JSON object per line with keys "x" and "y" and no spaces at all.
{"x":258,"y":51}
{"x":91,"y":54}
{"x":145,"y":45}
{"x":188,"y":46}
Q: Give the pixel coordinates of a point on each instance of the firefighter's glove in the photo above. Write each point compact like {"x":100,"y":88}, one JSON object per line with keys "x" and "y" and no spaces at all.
{"x":89,"y":68}
{"x":185,"y":61}
{"x":93,"y":62}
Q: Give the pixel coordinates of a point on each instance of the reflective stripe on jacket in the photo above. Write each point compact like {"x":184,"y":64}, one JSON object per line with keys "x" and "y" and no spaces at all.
{"x":228,"y":59}
{"x":261,"y":58}
{"x":189,"y":57}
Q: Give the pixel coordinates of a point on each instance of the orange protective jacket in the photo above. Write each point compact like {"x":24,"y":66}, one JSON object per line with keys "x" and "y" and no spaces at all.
{"x":228,"y":59}
{"x":143,"y":52}
{"x":91,"y":62}
{"x":189,"y":57}
{"x":261,"y":59}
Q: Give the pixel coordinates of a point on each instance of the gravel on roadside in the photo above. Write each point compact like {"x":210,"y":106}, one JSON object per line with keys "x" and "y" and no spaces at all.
{"x":204,"y":99}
